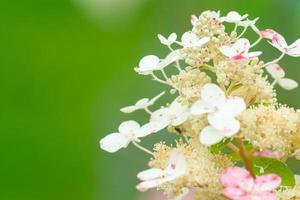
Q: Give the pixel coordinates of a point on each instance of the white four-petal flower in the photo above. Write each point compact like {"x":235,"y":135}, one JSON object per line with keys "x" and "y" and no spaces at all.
{"x":167,"y":41}
{"x":141,"y":104}
{"x":279,"y":75}
{"x":190,"y":39}
{"x":280,"y":43}
{"x":221,"y":114}
{"x":129,"y":131}
{"x":155,"y":177}
{"x":239,"y":50}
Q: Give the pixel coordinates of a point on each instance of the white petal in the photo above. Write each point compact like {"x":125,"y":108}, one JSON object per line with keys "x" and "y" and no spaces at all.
{"x":154,"y":99}
{"x":128,"y":109}
{"x":202,"y":41}
{"x":113,"y":142}
{"x":162,"y":39}
{"x":294,"y":49}
{"x":177,"y":164}
{"x":142,"y":103}
{"x":241,"y":46}
{"x":248,"y":23}
{"x":160,"y":119}
{"x":179,"y":119}
{"x":224,"y":123}
{"x":148,"y":64}
{"x":287,"y":83}
{"x":212,"y":94}
{"x":129,"y":127}
{"x":276,"y":71}
{"x":149,"y":174}
{"x":146,"y":185}
{"x":253,"y":54}
{"x":178,"y":113}
{"x":228,"y":51}
{"x":194,"y":20}
{"x":279,"y":41}
{"x":210,"y":136}
{"x":189,"y":39}
{"x":233,"y":17}
{"x":147,"y":129}
{"x":233,"y":106}
{"x":172,"y":57}
{"x":172,"y":38}
{"x":200,"y":107}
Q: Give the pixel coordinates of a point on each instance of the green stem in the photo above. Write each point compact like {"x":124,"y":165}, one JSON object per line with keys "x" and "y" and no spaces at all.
{"x":246,"y":156}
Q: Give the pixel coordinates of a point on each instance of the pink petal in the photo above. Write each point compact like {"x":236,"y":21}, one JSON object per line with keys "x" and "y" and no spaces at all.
{"x":235,"y":193}
{"x":238,"y":57}
{"x":237,"y":177}
{"x":267,"y":182}
{"x":264,"y":196}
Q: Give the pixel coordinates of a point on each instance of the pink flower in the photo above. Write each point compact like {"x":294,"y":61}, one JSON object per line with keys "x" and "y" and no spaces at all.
{"x":240,"y":185}
{"x":239,"y":50}
{"x":269,"y":154}
{"x":280,"y":43}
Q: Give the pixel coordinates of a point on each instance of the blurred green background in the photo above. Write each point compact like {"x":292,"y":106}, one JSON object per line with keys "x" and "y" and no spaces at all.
{"x":66,"y":68}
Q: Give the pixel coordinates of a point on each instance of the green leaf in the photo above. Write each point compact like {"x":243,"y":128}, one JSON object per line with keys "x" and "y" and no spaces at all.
{"x":217,"y":148}
{"x":270,"y":165}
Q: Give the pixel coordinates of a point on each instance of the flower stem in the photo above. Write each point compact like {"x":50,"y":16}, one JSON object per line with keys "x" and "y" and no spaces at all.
{"x":256,"y":42}
{"x":275,"y":61}
{"x":142,"y":148}
{"x":148,"y":111}
{"x":246,"y":156}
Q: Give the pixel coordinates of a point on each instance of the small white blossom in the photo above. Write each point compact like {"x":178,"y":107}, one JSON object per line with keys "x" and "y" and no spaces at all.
{"x":239,"y":50}
{"x":279,"y":75}
{"x":151,"y":63}
{"x":167,"y":41}
{"x":129,"y":131}
{"x":221,"y":114}
{"x":280,"y":43}
{"x":173,"y":115}
{"x":190,"y":40}
{"x":233,"y":17}
{"x":155,"y":177}
{"x":141,"y":104}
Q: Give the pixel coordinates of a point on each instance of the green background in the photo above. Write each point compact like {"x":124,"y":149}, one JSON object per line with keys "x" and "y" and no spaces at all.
{"x":66,"y":67}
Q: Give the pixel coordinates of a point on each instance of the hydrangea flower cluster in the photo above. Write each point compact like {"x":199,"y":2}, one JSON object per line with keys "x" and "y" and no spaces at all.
{"x":233,"y":138}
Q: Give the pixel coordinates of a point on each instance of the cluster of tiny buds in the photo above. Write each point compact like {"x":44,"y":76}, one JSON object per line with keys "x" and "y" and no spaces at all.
{"x":224,"y":110}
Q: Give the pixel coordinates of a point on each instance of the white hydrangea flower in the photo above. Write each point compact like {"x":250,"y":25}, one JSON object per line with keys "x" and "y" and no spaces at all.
{"x":239,"y":51}
{"x":173,"y":115}
{"x":129,"y":131}
{"x":190,"y":40}
{"x":280,"y":43}
{"x":151,"y":63}
{"x":221,"y":114}
{"x":279,"y":75}
{"x":233,"y":17}
{"x":143,"y":103}
{"x":155,"y":177}
{"x":167,"y":41}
